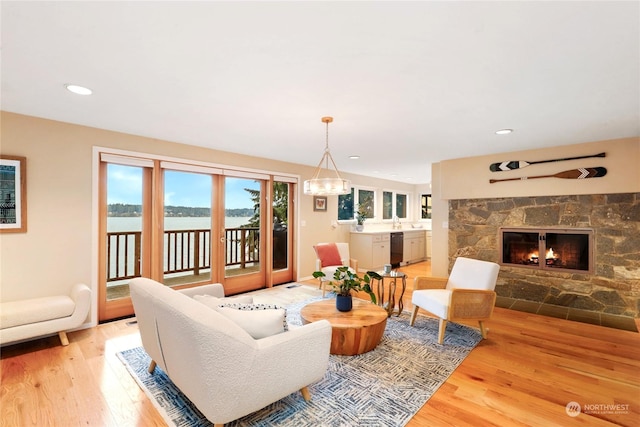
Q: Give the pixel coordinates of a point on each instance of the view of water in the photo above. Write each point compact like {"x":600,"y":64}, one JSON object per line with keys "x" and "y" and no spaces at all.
{"x":172,"y":223}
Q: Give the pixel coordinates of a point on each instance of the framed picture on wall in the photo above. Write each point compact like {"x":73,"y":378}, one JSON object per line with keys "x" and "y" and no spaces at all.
{"x":319,"y":203}
{"x":13,"y":194}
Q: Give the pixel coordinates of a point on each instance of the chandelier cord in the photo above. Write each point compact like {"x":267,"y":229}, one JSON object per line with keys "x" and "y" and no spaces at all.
{"x":326,"y":146}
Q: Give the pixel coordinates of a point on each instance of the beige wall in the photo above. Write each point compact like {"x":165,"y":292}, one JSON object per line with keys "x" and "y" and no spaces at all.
{"x":451,"y":180}
{"x":439,"y":224}
{"x":58,"y":248}
{"x":622,"y":160}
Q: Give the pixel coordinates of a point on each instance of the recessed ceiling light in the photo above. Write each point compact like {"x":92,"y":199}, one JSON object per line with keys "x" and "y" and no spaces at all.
{"x":79,"y":90}
{"x":354,"y":157}
{"x":504,"y":131}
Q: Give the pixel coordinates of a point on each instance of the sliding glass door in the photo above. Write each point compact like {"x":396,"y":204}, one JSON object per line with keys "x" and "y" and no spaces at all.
{"x":186,"y":257}
{"x":125,"y":249}
{"x":190,"y":225}
{"x":244,"y":227}
{"x":282,"y":242}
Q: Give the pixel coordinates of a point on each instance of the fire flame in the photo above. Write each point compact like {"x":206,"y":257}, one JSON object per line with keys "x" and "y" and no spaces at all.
{"x":549,"y":255}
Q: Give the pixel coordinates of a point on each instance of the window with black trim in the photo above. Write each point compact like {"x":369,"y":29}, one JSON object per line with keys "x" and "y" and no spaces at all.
{"x":425,"y":206}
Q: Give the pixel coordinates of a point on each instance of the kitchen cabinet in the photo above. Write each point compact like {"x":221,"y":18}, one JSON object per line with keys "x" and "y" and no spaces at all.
{"x":428,"y":244}
{"x":372,"y":250}
{"x":414,"y":246}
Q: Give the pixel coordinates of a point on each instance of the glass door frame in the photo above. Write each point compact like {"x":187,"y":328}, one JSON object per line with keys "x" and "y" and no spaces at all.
{"x":287,"y":274}
{"x":234,"y":284}
{"x":152,"y":246}
{"x":121,"y":307}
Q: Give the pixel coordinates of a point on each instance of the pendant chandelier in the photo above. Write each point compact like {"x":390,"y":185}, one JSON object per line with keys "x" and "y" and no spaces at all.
{"x":317,"y":186}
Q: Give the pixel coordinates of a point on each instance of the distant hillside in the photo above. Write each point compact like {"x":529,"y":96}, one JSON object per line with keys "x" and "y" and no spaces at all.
{"x":121,"y":209}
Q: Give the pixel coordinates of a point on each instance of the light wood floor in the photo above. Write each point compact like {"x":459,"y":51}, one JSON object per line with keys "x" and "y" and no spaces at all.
{"x":524,"y":374}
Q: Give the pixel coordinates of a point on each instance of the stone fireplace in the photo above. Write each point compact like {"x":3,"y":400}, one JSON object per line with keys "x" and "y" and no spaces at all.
{"x":609,"y":225}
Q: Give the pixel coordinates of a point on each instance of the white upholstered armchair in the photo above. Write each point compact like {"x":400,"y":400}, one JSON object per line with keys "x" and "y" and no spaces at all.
{"x":468,"y":294}
{"x":330,"y":256}
{"x":217,"y":364}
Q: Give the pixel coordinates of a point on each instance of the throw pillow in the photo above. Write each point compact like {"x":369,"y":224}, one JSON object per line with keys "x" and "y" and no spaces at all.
{"x":259,"y":320}
{"x":328,"y":254}
{"x":213,"y":302}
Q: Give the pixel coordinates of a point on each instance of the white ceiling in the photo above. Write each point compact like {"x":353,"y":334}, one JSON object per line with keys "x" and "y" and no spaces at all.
{"x":408,"y":84}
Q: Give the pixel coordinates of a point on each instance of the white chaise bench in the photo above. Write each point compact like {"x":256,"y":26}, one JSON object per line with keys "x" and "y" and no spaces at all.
{"x":36,"y":317}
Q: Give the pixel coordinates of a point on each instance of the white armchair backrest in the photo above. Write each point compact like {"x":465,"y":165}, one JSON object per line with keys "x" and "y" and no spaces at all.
{"x":470,"y":273}
{"x":143,"y":292}
{"x":343,"y":248}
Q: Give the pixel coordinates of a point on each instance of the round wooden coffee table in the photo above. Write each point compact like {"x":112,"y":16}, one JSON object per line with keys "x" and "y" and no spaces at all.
{"x":353,"y":332}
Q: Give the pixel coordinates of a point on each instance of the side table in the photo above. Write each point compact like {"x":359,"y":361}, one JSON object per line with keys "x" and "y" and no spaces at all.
{"x":392,"y":278}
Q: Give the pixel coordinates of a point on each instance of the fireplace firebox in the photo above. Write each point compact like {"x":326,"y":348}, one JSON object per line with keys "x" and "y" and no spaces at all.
{"x":548,"y":248}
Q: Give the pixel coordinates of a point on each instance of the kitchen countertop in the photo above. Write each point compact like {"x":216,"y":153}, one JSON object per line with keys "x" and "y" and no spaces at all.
{"x":402,"y":230}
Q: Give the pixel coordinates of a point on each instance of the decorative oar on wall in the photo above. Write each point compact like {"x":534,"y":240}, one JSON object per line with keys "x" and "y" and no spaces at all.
{"x":519,"y":164}
{"x":580,"y":173}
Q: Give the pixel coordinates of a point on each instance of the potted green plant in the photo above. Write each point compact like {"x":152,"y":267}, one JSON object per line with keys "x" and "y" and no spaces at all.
{"x":344,"y":281}
{"x":361,"y":216}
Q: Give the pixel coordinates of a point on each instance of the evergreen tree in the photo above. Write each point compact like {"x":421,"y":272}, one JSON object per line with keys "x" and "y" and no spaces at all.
{"x":280,"y":205}
{"x":254,"y":221}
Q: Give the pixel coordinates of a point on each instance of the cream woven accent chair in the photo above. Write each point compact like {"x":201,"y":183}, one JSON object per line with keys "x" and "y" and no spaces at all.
{"x":468,"y":294}
{"x":330,"y":256}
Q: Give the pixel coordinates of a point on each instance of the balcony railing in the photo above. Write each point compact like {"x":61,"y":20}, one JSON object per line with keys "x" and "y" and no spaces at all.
{"x":185,"y":251}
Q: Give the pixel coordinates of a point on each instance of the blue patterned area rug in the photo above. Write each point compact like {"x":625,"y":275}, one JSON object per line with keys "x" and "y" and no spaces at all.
{"x":384,"y":387}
